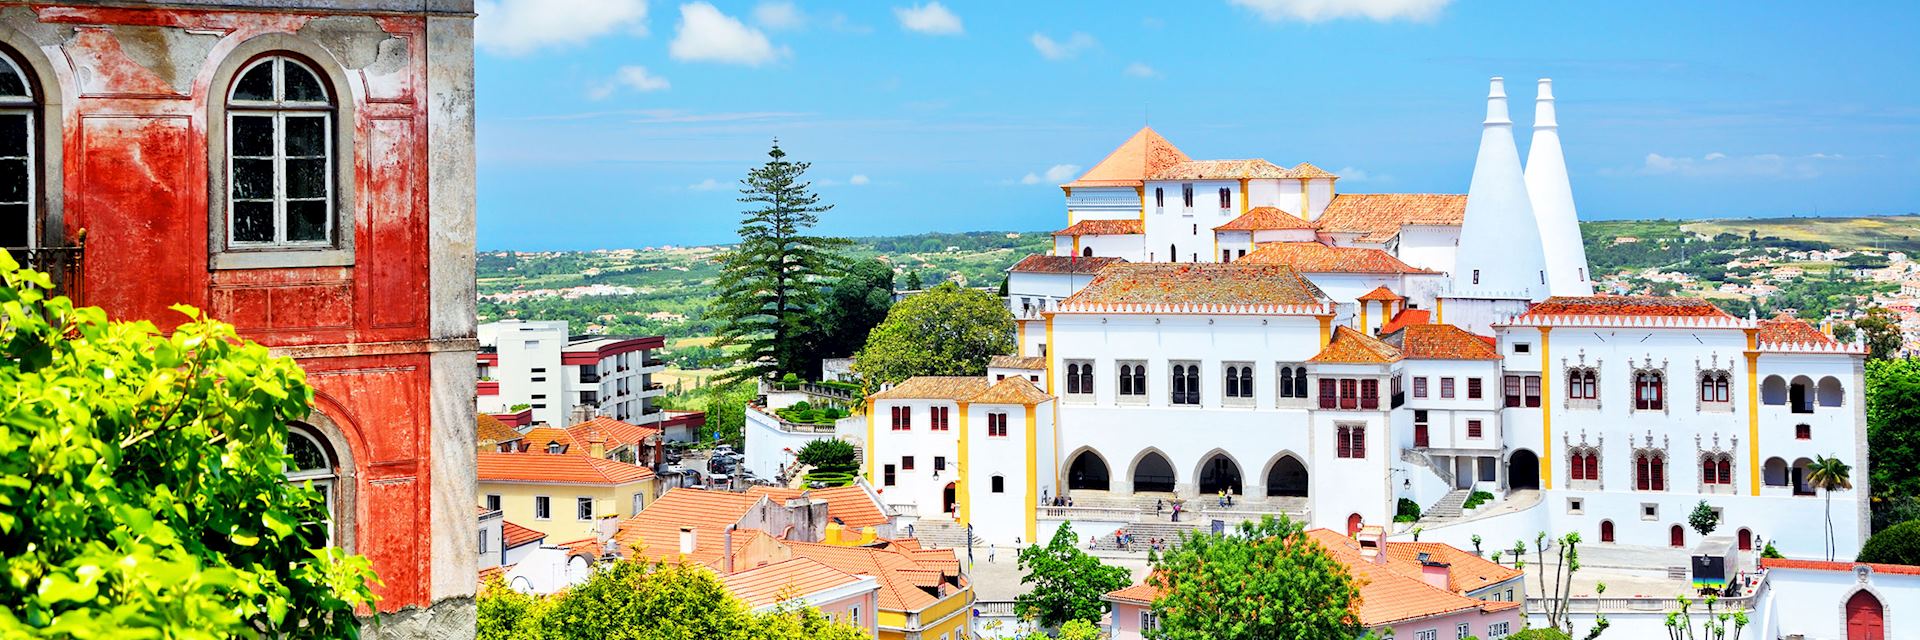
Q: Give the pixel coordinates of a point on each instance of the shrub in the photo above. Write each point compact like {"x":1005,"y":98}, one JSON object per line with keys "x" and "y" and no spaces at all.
{"x":1771,"y":552}
{"x":801,"y":406}
{"x":1476,"y":499}
{"x":822,"y":454}
{"x":1898,"y":544}
{"x":832,"y":479}
{"x":1539,"y":634}
{"x":1409,"y":510}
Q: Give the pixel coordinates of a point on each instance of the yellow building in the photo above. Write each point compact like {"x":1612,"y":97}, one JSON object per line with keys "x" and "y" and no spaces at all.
{"x":563,"y":495}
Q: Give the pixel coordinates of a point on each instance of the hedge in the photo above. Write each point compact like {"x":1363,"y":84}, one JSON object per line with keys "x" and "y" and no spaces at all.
{"x":1898,"y":544}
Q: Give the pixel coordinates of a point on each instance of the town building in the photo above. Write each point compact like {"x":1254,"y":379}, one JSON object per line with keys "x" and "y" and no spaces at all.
{"x":566,"y":378}
{"x":563,"y":495}
{"x":303,"y":171}
{"x":1418,"y":347}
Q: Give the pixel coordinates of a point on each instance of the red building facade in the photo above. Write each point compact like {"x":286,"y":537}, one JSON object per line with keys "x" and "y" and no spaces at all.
{"x":302,"y":169}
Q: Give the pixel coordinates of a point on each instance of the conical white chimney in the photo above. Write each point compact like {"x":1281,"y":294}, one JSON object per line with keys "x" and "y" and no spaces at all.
{"x":1501,"y":257}
{"x":1552,"y":195}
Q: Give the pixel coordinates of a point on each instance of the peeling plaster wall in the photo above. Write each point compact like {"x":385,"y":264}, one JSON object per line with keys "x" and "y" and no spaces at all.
{"x":386,"y":334}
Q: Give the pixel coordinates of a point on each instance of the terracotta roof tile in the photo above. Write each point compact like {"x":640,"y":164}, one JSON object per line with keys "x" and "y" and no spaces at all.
{"x":1353,"y":347}
{"x":1823,"y":565}
{"x":1237,"y":283}
{"x":1062,"y":264}
{"x":1465,"y":571}
{"x":537,"y":439}
{"x":1127,"y":166}
{"x":1143,"y":593}
{"x":491,"y":573}
{"x":1313,"y":257}
{"x":1103,"y":228}
{"x":787,"y":579}
{"x":556,"y":469}
{"x":908,"y":580}
{"x":1790,"y":330}
{"x":954,"y":388}
{"x":1265,"y":219}
{"x":1307,"y":170}
{"x":517,"y":535}
{"x":616,"y":432}
{"x":1440,"y":342}
{"x":1382,"y":294}
{"x":852,"y":504}
{"x":1625,"y":306}
{"x":1405,"y":318}
{"x":1251,"y":168}
{"x":656,"y":529}
{"x":1030,"y":363}
{"x":1377,"y":217}
{"x":1013,"y":390}
{"x":490,"y":431}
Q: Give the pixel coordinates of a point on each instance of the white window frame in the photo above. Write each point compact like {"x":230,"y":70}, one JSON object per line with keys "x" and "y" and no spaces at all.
{"x":583,"y":503}
{"x":543,"y":504}
{"x":325,"y":479}
{"x":279,"y":109}
{"x":1247,"y":397}
{"x":26,"y":106}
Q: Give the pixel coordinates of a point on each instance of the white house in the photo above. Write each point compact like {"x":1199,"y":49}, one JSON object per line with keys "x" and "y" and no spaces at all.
{"x":536,"y":363}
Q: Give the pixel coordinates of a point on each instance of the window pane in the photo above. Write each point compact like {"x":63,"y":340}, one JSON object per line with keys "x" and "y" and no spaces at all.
{"x":14,"y":226}
{"x":306,"y":455}
{"x":302,"y":86}
{"x":253,"y":222}
{"x":13,"y":180}
{"x":307,"y":178}
{"x":13,"y":134}
{"x":11,"y":84}
{"x":252,"y":136}
{"x":306,"y":136}
{"x":257,"y":84}
{"x":306,"y":221}
{"x":252,"y":179}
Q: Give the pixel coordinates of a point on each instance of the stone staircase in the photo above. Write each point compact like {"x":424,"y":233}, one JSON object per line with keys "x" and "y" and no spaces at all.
{"x":1448,"y":507}
{"x":943,"y":534}
{"x":1144,"y":533}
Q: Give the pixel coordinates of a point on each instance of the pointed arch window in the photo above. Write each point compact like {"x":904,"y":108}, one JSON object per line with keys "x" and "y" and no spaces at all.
{"x":280,"y":164}
{"x":1649,"y":390}
{"x":19,"y":158}
{"x":1649,"y":471}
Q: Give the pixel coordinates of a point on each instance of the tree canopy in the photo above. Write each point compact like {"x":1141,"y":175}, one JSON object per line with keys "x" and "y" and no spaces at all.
{"x":1262,"y":580}
{"x":945,"y":331}
{"x":1880,"y":327}
{"x":1893,"y":431}
{"x":1064,"y":583}
{"x":1898,"y":544}
{"x":143,"y":482}
{"x":638,"y":600}
{"x":857,"y":300}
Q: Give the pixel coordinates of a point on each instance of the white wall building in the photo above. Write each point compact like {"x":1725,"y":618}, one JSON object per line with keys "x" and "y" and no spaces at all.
{"x":536,"y":363}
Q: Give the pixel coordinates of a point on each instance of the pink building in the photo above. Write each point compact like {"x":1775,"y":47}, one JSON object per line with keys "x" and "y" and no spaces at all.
{"x":1416,"y":589}
{"x":802,"y":581}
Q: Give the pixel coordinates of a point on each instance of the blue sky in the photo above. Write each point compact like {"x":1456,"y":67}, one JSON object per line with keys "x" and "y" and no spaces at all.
{"x":626,"y":123}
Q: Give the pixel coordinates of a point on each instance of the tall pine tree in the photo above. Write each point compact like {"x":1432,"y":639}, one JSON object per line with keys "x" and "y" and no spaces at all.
{"x":770,"y":283}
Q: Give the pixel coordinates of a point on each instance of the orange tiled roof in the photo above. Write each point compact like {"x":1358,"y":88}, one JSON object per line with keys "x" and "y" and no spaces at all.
{"x":491,"y":573}
{"x":556,"y":469}
{"x":1199,"y":283}
{"x":1103,"y":228}
{"x":1307,"y":170}
{"x":791,"y":578}
{"x":656,"y":529}
{"x":852,"y":505}
{"x":1030,"y":363}
{"x":1405,"y":318}
{"x":908,"y":579}
{"x":1389,"y":594}
{"x":1377,"y":217}
{"x":1265,"y":219}
{"x":490,"y":431}
{"x":1625,"y":306}
{"x":1013,"y":390}
{"x":1129,"y":165}
{"x":1143,"y":593}
{"x":617,"y":433}
{"x":1353,"y":347}
{"x":1822,"y":565}
{"x":1465,"y":571}
{"x":956,"y":388}
{"x":1382,"y":294}
{"x":1062,"y":264}
{"x":537,"y":438}
{"x":516,"y":535}
{"x":1785,"y":329}
{"x":1440,"y":342}
{"x":1251,"y":168}
{"x":1313,"y":257}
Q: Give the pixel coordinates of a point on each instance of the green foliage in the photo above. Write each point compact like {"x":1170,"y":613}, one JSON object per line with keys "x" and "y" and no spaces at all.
{"x":1079,"y":630}
{"x":1898,"y":544}
{"x":830,"y":478}
{"x":142,"y":486}
{"x":1893,"y":429}
{"x":637,"y":600}
{"x":1703,"y":519}
{"x":726,"y":409}
{"x":827,"y":453}
{"x":1264,"y":580}
{"x":1063,"y":582}
{"x":1771,"y":552}
{"x":857,"y":300}
{"x":1539,"y":634}
{"x":913,"y":281}
{"x":946,"y":331}
{"x":1476,"y":499}
{"x":769,"y":284}
{"x":1409,"y":511}
{"x":1829,"y":475}
{"x":1881,"y":329}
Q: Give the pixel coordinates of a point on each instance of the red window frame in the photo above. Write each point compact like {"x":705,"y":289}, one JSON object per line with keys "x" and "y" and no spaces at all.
{"x":996,"y":425}
{"x":1420,"y":386}
{"x":906,"y":463}
{"x":887,"y":475}
{"x":1328,"y":397}
{"x":1512,"y":385}
{"x":1474,"y":392}
{"x":1369,"y":394}
{"x":1349,"y":393}
{"x":1532,"y":384}
{"x":1446,"y":387}
{"x":940,"y":418}
{"x":1473,"y":429}
{"x":1803,"y":432}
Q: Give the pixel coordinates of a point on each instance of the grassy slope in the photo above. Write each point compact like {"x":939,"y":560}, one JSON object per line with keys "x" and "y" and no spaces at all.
{"x":1886,"y":233}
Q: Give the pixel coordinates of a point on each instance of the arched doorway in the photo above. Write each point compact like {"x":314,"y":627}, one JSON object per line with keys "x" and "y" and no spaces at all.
{"x":1220,"y":473}
{"x":1606,"y":531}
{"x":1746,"y":539}
{"x":947,"y":502}
{"x":1087,"y":471}
{"x":1677,"y":537}
{"x":1523,"y":470}
{"x":1153,"y":474}
{"x":1866,"y":618}
{"x":1354,"y":523}
{"x":1287,"y":477}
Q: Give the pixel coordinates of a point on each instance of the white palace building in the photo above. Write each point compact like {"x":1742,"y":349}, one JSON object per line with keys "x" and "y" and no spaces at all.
{"x":1239,"y":325}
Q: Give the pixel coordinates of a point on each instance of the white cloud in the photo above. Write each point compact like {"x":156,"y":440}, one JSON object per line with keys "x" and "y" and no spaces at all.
{"x":1721,"y":165}
{"x":931,"y":18}
{"x":1141,"y":70}
{"x":1323,"y":10}
{"x":779,"y":15}
{"x":708,"y":184}
{"x":858,"y":179}
{"x":1356,"y":174}
{"x":515,"y":27}
{"x":1055,"y":174}
{"x":1715,"y":156}
{"x":1056,"y":50}
{"x":707,"y":35}
{"x":633,"y":77}
{"x":1031,"y":178}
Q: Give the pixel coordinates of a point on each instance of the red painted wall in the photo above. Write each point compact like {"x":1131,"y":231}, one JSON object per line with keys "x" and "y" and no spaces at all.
{"x":135,"y":178}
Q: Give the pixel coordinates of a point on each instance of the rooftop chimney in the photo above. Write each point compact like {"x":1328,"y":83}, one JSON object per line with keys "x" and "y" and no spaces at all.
{"x":1500,"y":256}
{"x":1552,"y":198}
{"x":1434,"y":572}
{"x":1373,"y":544}
{"x":686,"y":541}
{"x":596,"y":443}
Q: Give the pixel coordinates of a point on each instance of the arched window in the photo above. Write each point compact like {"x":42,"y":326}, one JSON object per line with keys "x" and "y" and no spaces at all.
{"x":1715,"y":388}
{"x":1649,"y":390}
{"x":1583,"y":464}
{"x":1716,"y":469}
{"x":1139,"y":379}
{"x":1649,"y":471}
{"x":1073,"y":378}
{"x":1300,"y":382}
{"x":280,"y":157}
{"x":1582,"y":384}
{"x":1606,"y":531}
{"x":1086,"y":252}
{"x":1829,"y":392}
{"x":19,"y":151}
{"x":313,"y":461}
{"x":1286,"y":382}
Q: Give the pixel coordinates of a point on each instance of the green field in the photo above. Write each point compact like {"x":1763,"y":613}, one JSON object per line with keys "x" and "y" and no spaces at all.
{"x":1881,"y":233}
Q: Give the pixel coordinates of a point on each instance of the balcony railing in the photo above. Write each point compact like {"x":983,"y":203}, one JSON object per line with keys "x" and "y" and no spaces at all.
{"x":61,"y":263}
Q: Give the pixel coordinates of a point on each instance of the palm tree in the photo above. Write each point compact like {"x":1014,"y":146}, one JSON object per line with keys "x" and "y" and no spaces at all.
{"x":1830,"y":475}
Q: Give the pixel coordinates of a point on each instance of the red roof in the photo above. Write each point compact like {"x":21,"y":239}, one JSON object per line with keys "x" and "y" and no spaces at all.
{"x":1237,"y":283}
{"x":1382,"y":294}
{"x":787,"y":579}
{"x":617,"y":433}
{"x":1103,"y":228}
{"x":1405,"y":318}
{"x":656,"y":529}
{"x":1377,"y":217}
{"x":852,"y":504}
{"x":517,"y":535}
{"x":1062,"y":264}
{"x":537,"y":439}
{"x":1353,"y":347}
{"x":1265,"y":219}
{"x":1786,"y":329}
{"x":909,"y":579}
{"x":1142,"y":155}
{"x":1625,"y":306}
{"x":1823,"y":565}
{"x":556,"y":469}
{"x":1440,"y":342}
{"x":1313,"y":257}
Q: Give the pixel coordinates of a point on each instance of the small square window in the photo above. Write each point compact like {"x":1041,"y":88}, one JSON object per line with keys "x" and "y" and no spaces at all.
{"x":1522,"y":347}
{"x":542,"y":507}
{"x":1649,"y":511}
{"x":1576,"y":506}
